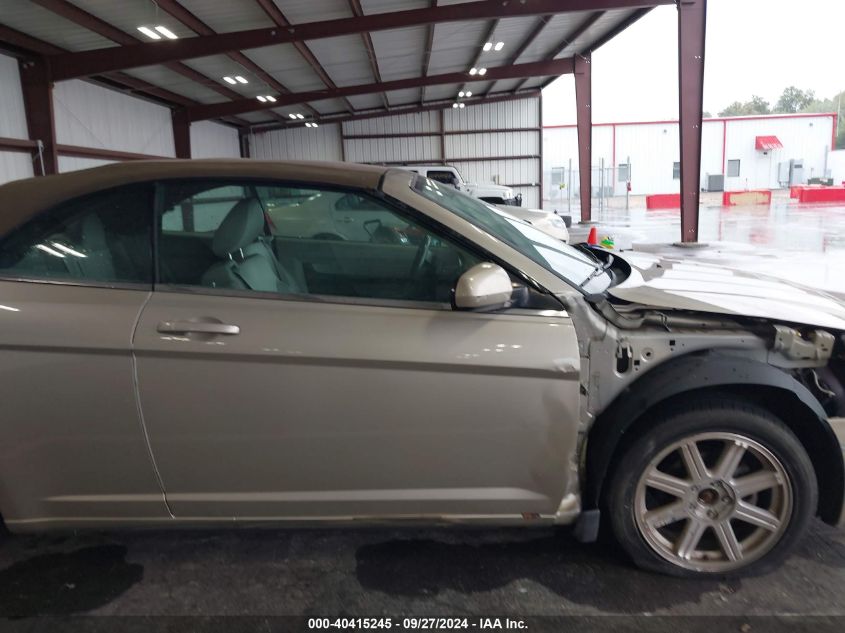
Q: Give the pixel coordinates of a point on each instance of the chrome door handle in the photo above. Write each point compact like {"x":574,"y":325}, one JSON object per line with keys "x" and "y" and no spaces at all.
{"x":185,"y":327}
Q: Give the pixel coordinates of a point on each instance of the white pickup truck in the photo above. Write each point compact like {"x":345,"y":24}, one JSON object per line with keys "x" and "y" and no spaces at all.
{"x":497,"y":195}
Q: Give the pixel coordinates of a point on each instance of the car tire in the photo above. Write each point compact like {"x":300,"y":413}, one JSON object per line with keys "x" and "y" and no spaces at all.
{"x":717,"y":487}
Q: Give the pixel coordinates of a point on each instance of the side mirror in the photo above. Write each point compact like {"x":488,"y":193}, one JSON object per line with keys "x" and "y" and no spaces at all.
{"x":485,"y":286}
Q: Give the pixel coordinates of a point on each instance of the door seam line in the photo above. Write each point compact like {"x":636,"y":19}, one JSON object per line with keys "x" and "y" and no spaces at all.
{"x":139,"y":408}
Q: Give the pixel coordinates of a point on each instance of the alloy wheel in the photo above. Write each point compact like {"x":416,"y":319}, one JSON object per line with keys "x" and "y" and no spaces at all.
{"x":713,"y":502}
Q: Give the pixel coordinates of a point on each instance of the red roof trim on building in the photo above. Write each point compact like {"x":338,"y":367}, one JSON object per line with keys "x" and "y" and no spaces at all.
{"x":767,"y":143}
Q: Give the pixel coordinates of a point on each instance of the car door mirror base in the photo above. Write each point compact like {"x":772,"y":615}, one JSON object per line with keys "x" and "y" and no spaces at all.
{"x":485,"y":286}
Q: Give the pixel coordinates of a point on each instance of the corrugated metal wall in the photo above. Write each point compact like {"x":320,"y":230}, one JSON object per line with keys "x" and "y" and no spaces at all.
{"x":92,"y":116}
{"x":299,"y":143}
{"x":517,"y":153}
{"x":13,"y":165}
{"x":213,"y":140}
{"x":472,"y":138}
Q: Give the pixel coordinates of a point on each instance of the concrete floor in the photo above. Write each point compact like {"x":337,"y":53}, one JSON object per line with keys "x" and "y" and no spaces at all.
{"x":448,"y":571}
{"x":368,"y":572}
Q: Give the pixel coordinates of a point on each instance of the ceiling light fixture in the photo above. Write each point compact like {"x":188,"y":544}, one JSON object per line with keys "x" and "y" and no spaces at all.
{"x":149,"y":32}
{"x":293,"y":116}
{"x":270,"y":98}
{"x":313,"y":125}
{"x":461,"y":93}
{"x":461,"y":105}
{"x":468,"y":93}
{"x":307,"y":124}
{"x":299,"y":116}
{"x":454,"y":105}
{"x":473,"y":70}
{"x":487,"y":46}
{"x":240,"y":79}
{"x":261,"y":99}
{"x":229,"y":80}
{"x":166,"y":32}
{"x":499,"y":46}
{"x":482,"y":71}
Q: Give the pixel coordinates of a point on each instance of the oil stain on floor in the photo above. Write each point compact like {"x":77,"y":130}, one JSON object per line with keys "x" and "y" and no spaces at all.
{"x":65,"y":583}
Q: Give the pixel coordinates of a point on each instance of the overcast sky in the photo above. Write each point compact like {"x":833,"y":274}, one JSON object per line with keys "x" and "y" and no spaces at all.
{"x":753,"y":47}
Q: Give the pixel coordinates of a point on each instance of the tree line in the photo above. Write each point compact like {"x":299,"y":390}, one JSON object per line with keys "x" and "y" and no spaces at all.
{"x":792,"y":100}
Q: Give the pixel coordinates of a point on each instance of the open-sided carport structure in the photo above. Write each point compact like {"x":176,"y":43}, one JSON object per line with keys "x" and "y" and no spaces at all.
{"x":333,"y":61}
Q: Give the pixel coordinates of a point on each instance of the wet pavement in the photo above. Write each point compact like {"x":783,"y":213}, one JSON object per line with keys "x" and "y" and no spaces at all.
{"x":803,"y":243}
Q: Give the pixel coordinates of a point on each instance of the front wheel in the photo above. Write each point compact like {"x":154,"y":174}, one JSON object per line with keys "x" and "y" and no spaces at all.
{"x":717,"y":487}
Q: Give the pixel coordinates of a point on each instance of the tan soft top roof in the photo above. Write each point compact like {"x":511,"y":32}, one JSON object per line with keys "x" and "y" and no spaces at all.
{"x":23,"y":199}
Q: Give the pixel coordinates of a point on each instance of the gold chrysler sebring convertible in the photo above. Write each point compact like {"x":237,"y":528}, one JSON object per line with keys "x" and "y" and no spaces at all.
{"x":209,"y":342}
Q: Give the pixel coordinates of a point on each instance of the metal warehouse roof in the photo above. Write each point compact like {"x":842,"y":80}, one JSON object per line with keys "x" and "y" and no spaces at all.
{"x":335,"y":59}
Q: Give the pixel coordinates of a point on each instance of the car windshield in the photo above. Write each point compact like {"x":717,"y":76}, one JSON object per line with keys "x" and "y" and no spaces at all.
{"x":567,"y":262}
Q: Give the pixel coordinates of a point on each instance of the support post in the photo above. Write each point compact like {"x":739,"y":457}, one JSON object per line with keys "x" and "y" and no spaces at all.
{"x":243,"y":142}
{"x":692,"y":20}
{"x":37,"y":88}
{"x":583,"y":103}
{"x":181,"y":133}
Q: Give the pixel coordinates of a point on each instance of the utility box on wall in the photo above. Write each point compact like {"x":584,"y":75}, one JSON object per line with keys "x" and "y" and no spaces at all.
{"x":714,"y":182}
{"x":791,"y":173}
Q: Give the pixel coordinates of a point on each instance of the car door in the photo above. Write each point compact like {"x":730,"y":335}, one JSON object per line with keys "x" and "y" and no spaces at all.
{"x":354,"y":390}
{"x":72,"y":284}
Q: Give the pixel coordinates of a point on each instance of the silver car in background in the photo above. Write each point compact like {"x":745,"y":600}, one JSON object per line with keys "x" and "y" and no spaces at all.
{"x":202,"y":342}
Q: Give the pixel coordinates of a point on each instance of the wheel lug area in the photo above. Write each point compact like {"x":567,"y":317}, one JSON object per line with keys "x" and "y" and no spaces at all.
{"x":712,"y":501}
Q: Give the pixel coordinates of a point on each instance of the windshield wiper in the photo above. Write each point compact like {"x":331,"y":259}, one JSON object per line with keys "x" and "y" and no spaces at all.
{"x":598,"y":271}
{"x":583,"y":248}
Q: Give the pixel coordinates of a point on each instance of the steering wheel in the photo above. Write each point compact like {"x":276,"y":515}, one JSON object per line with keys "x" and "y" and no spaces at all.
{"x":421,"y":257}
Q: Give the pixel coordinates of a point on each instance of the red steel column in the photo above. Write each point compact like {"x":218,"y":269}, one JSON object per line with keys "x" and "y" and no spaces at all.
{"x":692,"y":21}
{"x":583,"y":104}
{"x":37,"y":88}
{"x":182,"y":133}
{"x":243,"y":142}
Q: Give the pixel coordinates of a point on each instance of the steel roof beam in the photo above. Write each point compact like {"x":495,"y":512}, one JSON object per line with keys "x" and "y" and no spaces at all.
{"x":341,"y":117}
{"x":534,"y":69}
{"x":84,"y":19}
{"x":429,"y":46}
{"x":604,"y":39}
{"x":568,"y":40}
{"x":279,"y":19}
{"x":118,"y":80}
{"x":188,"y":19}
{"x":85,"y":63}
{"x":488,"y":36}
{"x":357,"y":11}
{"x":541,"y":24}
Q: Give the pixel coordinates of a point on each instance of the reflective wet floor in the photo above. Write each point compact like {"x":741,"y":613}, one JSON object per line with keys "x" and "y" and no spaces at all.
{"x":803,"y":243}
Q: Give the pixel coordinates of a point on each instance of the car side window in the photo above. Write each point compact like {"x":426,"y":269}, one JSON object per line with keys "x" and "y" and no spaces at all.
{"x":103,"y":237}
{"x":306,"y":241}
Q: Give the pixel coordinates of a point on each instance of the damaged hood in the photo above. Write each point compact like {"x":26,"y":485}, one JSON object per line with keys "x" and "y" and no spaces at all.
{"x":683,"y":284}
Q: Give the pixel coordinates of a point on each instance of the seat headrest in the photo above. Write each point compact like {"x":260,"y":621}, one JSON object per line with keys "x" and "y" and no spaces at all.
{"x":241,"y":227}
